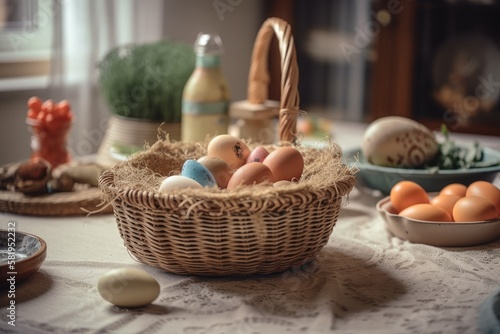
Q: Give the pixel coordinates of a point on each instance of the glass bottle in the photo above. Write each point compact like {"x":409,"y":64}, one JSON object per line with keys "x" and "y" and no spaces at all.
{"x":205,"y":99}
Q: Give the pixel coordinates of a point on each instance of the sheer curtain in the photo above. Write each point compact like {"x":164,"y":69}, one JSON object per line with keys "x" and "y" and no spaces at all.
{"x":84,"y":31}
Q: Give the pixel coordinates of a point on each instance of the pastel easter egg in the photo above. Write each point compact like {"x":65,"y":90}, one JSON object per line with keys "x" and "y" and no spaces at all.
{"x":258,"y":154}
{"x":196,"y":171}
{"x":178,"y":182}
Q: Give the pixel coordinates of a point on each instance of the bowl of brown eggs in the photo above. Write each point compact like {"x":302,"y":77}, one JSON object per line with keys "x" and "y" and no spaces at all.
{"x":456,"y":216}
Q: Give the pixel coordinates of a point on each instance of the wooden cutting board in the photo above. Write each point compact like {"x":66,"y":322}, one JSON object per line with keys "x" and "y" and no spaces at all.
{"x":79,"y":202}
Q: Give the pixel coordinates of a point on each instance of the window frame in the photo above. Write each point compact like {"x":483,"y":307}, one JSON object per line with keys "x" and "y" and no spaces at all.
{"x":25,"y":44}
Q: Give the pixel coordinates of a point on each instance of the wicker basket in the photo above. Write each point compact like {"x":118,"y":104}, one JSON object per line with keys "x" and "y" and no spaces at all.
{"x":255,"y":229}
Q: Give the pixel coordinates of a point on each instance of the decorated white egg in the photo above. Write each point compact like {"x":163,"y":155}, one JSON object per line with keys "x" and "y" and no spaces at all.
{"x":395,"y":141}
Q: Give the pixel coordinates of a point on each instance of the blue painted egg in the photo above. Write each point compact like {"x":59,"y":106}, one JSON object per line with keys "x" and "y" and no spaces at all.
{"x":196,"y":171}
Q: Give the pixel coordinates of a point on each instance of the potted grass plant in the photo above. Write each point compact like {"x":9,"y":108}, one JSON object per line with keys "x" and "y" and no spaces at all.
{"x":142,"y":84}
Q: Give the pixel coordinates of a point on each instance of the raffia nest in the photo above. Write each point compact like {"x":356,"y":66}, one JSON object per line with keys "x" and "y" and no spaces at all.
{"x":146,"y":170}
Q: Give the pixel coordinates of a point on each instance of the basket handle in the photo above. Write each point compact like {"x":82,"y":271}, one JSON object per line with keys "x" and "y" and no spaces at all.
{"x":258,"y":81}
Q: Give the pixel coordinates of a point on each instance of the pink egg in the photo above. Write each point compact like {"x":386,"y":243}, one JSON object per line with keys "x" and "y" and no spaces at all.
{"x":258,"y":154}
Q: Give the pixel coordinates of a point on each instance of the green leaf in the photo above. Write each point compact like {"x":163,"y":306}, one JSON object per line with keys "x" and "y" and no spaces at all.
{"x":451,"y":156}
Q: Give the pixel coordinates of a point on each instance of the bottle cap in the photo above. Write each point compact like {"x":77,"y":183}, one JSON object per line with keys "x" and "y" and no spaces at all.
{"x":208,"y":44}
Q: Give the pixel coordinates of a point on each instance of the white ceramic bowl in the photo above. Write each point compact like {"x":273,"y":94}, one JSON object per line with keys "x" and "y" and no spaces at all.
{"x":436,"y":233}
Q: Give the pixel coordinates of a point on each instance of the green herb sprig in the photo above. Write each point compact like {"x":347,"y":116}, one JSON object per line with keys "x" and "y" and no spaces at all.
{"x":451,"y":156}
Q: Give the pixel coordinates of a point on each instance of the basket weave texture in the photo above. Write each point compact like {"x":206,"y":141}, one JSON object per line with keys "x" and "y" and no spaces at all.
{"x":256,"y":229}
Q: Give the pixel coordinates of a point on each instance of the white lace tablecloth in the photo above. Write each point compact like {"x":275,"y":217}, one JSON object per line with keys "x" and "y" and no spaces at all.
{"x":363,"y":281}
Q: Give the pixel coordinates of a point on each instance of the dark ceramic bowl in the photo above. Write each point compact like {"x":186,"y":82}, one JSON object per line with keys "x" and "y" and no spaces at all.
{"x":29,"y":252}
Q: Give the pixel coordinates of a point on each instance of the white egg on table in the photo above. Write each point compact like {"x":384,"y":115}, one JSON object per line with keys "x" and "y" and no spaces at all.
{"x":395,"y":141}
{"x":128,"y":287}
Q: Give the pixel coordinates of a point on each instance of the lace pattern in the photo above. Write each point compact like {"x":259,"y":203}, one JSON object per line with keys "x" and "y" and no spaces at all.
{"x":363,"y":281}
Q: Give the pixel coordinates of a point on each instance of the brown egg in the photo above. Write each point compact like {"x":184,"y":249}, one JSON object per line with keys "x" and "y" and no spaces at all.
{"x":426,"y":212}
{"x":219,"y":169}
{"x":474,"y":209}
{"x":454,"y":189}
{"x":286,"y":163}
{"x":230,"y":149}
{"x":485,"y":190}
{"x":446,"y":202}
{"x":251,"y":173}
{"x":407,"y":193}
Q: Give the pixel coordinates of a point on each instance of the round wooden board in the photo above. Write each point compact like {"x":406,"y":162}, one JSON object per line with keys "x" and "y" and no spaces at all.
{"x":74,"y":203}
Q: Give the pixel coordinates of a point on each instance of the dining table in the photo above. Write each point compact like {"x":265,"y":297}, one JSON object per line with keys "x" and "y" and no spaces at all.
{"x":364,"y":280}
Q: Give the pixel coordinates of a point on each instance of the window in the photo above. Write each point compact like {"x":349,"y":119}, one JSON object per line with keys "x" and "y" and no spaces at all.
{"x":25,"y":42}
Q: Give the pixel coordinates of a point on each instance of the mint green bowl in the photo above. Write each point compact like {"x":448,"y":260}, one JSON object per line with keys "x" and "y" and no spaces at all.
{"x":384,"y":178}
